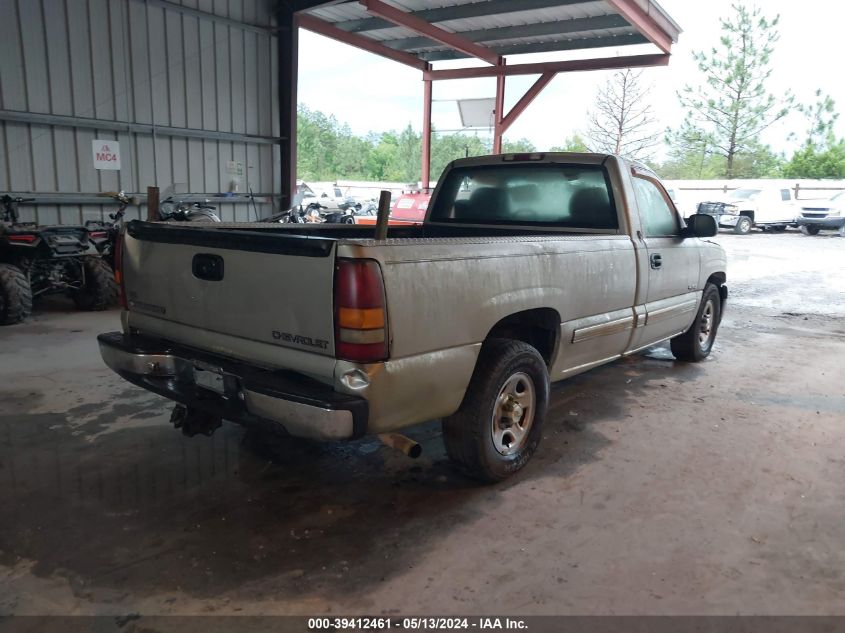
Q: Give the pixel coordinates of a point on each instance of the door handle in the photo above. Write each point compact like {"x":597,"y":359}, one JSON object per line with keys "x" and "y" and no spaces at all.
{"x":656,"y":260}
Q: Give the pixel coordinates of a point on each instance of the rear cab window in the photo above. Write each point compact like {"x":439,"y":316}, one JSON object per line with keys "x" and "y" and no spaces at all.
{"x":557,"y":195}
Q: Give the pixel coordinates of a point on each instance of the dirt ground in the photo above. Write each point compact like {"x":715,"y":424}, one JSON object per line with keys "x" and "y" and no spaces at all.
{"x":659,"y":487}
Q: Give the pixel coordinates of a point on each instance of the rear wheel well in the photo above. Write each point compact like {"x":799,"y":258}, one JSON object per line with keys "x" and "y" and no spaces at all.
{"x":540,"y":328}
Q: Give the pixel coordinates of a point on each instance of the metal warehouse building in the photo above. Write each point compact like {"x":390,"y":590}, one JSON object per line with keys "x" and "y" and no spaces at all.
{"x":203,"y":92}
{"x":186,"y":92}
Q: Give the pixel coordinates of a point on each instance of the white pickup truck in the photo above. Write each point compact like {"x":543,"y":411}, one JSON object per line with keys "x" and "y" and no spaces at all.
{"x":767,"y":208}
{"x":528,"y":269}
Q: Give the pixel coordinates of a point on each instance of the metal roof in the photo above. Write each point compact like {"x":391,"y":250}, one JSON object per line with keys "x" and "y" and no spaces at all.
{"x":507,"y":27}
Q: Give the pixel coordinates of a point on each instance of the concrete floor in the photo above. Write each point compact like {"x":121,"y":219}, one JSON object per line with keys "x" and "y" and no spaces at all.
{"x":659,"y":488}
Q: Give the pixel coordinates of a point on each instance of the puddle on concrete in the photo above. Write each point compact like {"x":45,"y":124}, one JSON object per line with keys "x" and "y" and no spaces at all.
{"x":138,"y":508}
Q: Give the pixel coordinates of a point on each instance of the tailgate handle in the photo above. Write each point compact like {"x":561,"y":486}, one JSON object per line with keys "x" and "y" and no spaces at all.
{"x":207,"y":266}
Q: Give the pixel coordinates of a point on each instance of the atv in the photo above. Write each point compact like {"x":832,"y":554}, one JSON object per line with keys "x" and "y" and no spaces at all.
{"x":40,"y":260}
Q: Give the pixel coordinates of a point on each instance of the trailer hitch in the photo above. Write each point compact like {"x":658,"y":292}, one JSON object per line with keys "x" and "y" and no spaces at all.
{"x":193,"y":421}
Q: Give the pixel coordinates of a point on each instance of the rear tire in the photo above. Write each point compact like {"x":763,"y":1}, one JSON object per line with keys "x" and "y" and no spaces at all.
{"x":100,"y":289}
{"x":810,"y":230}
{"x":15,"y":295}
{"x":500,"y":422}
{"x":743,"y":225}
{"x":695,"y":344}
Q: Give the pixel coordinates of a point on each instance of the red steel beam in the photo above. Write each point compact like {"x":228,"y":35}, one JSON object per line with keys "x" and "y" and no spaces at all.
{"x":526,"y":100}
{"x":426,"y":136}
{"x":452,"y":40}
{"x":576,"y":65}
{"x":359,"y":41}
{"x":643,"y":22}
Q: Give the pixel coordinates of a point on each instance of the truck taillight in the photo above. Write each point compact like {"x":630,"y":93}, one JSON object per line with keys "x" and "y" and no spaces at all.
{"x":360,"y":321}
{"x":118,"y":270}
{"x":22,"y":238}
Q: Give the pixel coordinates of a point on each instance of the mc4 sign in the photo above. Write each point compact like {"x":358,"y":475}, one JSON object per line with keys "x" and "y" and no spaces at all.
{"x":106,"y":154}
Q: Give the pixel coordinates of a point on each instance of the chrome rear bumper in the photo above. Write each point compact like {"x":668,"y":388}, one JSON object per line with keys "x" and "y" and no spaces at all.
{"x":235,"y":391}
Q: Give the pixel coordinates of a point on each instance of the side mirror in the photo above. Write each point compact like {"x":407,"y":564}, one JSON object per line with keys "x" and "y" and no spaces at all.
{"x":700,"y":225}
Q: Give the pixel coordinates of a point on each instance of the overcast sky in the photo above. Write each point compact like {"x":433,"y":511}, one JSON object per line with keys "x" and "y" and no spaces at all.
{"x":373,"y":94}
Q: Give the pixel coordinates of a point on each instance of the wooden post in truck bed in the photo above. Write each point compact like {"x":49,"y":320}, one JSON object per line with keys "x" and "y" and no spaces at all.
{"x":152,"y":204}
{"x":383,"y":215}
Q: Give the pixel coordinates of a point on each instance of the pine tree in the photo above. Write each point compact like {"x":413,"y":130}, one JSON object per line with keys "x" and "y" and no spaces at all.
{"x":732,"y":107}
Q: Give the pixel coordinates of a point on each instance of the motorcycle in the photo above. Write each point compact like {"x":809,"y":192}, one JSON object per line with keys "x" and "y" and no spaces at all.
{"x":39,"y":260}
{"x":350,"y":205}
{"x":174,"y":208}
{"x":310,"y":213}
{"x":349,"y":214}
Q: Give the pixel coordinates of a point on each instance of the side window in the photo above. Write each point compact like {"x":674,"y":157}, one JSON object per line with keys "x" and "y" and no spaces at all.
{"x":784,"y":194}
{"x":658,"y":217}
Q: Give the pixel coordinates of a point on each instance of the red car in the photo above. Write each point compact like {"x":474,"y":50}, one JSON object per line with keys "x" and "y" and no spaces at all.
{"x":407,"y":209}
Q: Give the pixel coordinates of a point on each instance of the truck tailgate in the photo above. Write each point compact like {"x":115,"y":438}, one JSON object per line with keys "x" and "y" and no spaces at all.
{"x":259,"y":285}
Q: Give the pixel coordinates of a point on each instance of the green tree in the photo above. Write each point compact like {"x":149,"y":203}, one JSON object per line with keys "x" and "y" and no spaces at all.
{"x":409,"y":155}
{"x":822,"y":155}
{"x":573,"y":143}
{"x":520,"y":145}
{"x":821,"y":117}
{"x":758,"y":161}
{"x":327,"y":150}
{"x":382,"y":157}
{"x":729,"y":110}
{"x":691,"y":165}
{"x":447,"y":147}
{"x":316,"y":144}
{"x":809,"y":162}
{"x":697,"y":162}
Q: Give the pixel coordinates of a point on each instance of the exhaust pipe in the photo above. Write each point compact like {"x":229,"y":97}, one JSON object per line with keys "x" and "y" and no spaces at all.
{"x":402,"y":444}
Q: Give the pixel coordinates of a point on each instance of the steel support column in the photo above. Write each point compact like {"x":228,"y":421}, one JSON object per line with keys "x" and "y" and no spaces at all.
{"x":288,"y":61}
{"x":499,"y":112}
{"x":426,"y":135}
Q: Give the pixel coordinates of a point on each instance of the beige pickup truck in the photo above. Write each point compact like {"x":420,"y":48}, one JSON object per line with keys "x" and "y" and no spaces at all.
{"x":528,"y":268}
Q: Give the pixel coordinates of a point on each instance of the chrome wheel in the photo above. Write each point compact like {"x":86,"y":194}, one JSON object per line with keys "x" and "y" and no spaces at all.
{"x":513,"y":413}
{"x":705,"y":325}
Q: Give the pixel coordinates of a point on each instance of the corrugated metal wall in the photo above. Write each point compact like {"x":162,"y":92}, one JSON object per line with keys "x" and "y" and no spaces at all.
{"x":140,"y":62}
